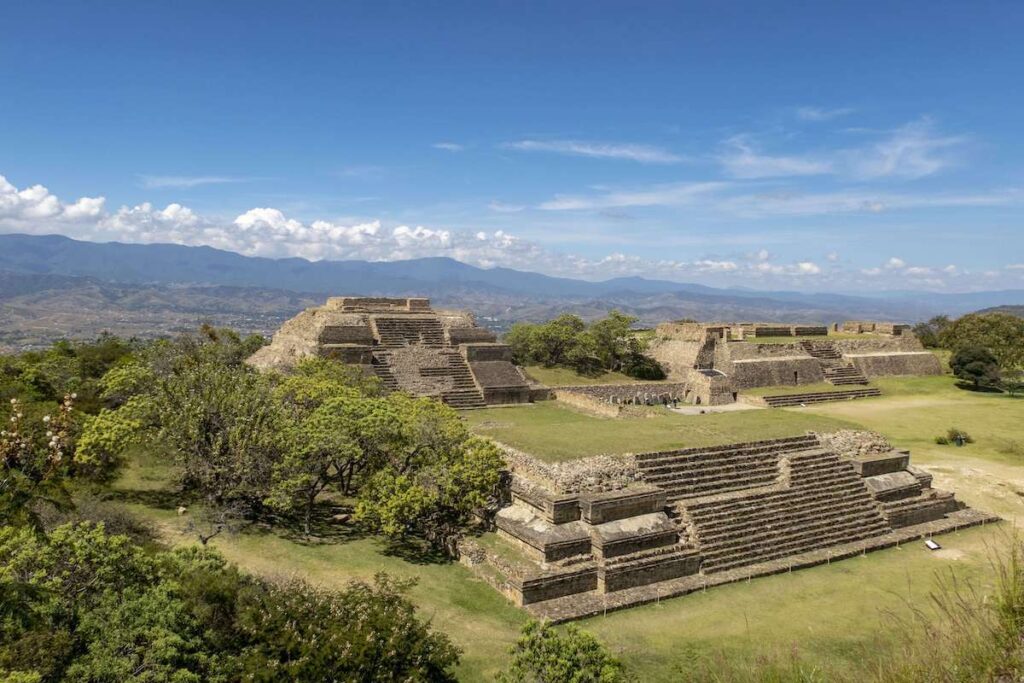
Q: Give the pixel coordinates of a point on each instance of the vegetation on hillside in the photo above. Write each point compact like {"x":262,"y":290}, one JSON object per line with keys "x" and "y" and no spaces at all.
{"x":987,"y":347}
{"x":606,"y":345}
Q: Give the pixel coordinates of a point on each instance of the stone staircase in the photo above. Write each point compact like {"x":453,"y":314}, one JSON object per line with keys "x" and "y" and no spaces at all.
{"x":835,"y":369}
{"x":844,"y":375}
{"x":825,"y":503}
{"x":790,"y":400}
{"x":693,"y":472}
{"x":822,"y":350}
{"x":406,"y":330}
{"x":463,"y":393}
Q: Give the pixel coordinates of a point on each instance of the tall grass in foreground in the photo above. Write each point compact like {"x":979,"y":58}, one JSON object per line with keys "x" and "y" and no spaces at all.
{"x":962,"y":635}
{"x":966,"y":635}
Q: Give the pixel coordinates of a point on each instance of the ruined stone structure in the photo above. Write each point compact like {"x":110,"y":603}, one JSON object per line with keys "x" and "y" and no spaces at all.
{"x":408,"y":345}
{"x":718,"y":360}
{"x":667,"y":523}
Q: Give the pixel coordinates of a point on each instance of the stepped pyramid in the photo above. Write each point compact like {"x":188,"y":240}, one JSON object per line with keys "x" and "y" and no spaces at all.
{"x":408,"y":345}
{"x":687,"y":519}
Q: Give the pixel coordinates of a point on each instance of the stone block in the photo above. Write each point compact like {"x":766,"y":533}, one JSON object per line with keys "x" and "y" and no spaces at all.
{"x":598,"y":508}
{"x":873,"y":464}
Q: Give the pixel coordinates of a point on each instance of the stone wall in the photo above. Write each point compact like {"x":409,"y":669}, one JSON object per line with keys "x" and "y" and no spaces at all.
{"x":899,"y":363}
{"x":596,"y":473}
{"x":779,"y":371}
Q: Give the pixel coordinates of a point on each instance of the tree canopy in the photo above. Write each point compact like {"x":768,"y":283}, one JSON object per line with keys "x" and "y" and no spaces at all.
{"x":608,"y":344}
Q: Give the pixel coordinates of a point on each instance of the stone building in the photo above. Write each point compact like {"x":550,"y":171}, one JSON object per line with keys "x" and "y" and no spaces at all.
{"x":719,"y":360}
{"x":408,"y":345}
{"x":582,"y":537}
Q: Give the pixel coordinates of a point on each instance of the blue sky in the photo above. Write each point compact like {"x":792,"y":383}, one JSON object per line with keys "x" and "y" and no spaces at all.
{"x":815,"y":146}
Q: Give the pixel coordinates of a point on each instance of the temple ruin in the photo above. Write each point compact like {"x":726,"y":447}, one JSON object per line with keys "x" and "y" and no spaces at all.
{"x":582,"y":537}
{"x":408,"y":345}
{"x":717,"y":361}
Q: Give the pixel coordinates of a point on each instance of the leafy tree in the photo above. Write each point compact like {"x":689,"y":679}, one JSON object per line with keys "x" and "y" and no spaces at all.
{"x":1001,"y":334}
{"x":543,"y":654}
{"x":82,"y":605}
{"x":34,"y":462}
{"x":930,"y":333}
{"x":434,"y":497}
{"x":366,"y":633}
{"x":975,"y":364}
{"x":608,"y":344}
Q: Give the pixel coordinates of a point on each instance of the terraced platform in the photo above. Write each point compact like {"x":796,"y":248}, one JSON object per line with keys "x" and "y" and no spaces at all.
{"x":790,"y":400}
{"x":700,"y":517}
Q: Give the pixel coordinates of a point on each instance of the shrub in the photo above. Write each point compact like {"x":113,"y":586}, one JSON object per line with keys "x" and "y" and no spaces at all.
{"x":954,"y":436}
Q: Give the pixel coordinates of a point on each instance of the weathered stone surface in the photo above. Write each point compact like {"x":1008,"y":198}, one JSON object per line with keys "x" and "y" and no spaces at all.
{"x":408,"y":345}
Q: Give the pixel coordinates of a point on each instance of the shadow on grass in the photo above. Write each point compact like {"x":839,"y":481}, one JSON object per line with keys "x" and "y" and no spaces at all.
{"x":414,"y":551}
{"x":329,"y":523}
{"x":161,"y":499}
{"x":980,"y":389}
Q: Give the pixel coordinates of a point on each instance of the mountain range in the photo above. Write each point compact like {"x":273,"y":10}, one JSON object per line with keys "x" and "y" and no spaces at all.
{"x":92,"y":286}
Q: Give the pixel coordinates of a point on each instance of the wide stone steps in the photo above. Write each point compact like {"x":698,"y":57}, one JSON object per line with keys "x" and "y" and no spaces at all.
{"x":396,"y":332}
{"x":790,"y":400}
{"x":717,"y":470}
{"x":844,"y":375}
{"x":824,"y":503}
{"x":767,"y":552}
{"x":821,"y":350}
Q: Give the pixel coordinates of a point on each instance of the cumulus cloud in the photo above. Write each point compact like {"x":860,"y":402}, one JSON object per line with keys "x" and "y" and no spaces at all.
{"x":35,"y":207}
{"x":645,"y":154}
{"x":270,"y":232}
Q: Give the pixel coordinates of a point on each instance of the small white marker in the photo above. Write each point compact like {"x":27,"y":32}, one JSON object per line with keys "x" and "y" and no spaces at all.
{"x":932,"y":545}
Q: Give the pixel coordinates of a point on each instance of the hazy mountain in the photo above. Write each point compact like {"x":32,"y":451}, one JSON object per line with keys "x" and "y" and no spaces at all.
{"x":84,"y":287}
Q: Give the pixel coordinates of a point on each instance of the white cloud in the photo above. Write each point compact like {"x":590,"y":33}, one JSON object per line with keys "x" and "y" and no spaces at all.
{"x":449,"y":146}
{"x":795,"y":203}
{"x":911,"y":151}
{"x":162,"y":181}
{"x":645,"y":154}
{"x":895,"y":262}
{"x":808,"y":268}
{"x":832,"y":256}
{"x":819,"y":114}
{"x":34,"y":207}
{"x":715,"y":266}
{"x":673,"y":194}
{"x":504,"y":207}
{"x":1015,"y":266}
{"x":742,"y":161}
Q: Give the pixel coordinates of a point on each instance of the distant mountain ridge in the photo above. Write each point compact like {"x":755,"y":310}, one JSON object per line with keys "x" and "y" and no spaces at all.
{"x":500,"y":292}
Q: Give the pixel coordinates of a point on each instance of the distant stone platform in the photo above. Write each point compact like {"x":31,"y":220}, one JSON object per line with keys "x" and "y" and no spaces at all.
{"x":407,"y":344}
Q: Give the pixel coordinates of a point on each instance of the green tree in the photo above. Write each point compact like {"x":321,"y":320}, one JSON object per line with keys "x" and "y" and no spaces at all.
{"x":368,"y":632}
{"x":543,"y":654}
{"x":430,"y":476}
{"x":930,"y":332}
{"x":35,"y":462}
{"x":975,"y":364}
{"x":1000,"y":333}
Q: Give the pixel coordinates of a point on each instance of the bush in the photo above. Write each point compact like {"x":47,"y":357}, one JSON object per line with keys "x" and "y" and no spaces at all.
{"x":954,"y":436}
{"x":543,"y":654}
{"x":975,"y":364}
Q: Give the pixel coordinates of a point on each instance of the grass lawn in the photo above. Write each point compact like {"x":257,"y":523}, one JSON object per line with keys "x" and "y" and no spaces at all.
{"x":553,"y":431}
{"x":564,"y":377}
{"x":836,"y":618}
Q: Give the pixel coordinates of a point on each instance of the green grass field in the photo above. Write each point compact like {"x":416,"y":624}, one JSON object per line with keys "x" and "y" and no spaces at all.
{"x":838,"y":619}
{"x":553,"y":431}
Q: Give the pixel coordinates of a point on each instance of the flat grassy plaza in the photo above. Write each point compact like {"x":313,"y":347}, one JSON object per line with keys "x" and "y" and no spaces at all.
{"x":838,"y":619}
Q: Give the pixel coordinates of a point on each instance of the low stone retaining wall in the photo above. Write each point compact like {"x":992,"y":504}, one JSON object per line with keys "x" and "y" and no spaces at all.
{"x":596,"y":473}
